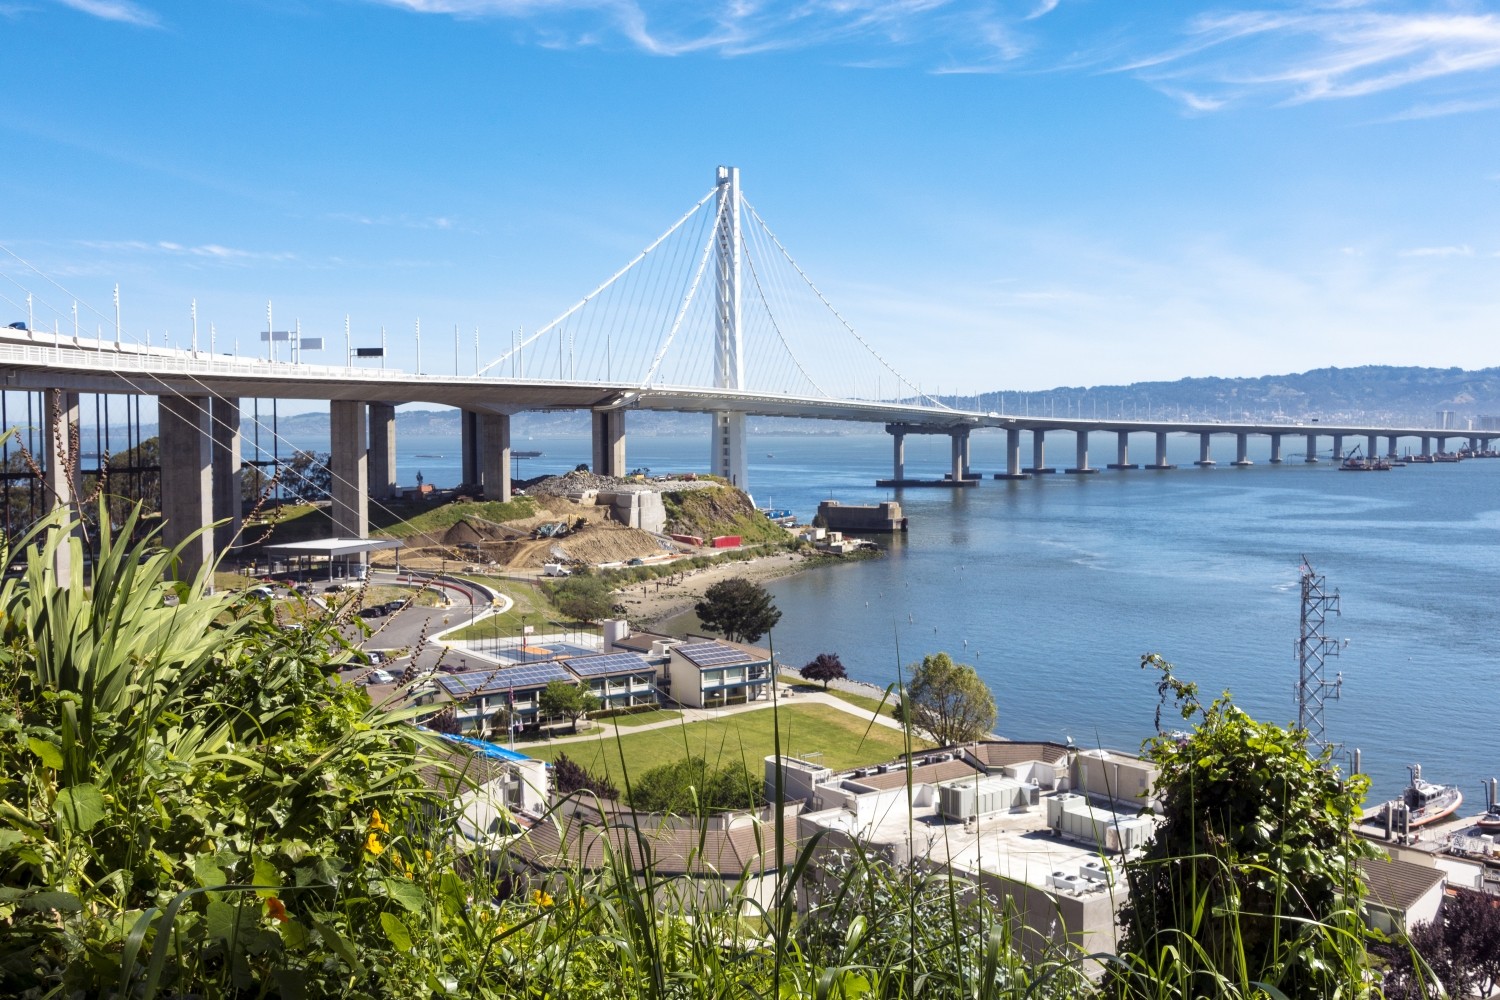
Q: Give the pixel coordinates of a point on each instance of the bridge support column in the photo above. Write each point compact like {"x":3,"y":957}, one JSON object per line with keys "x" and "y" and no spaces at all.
{"x":609,"y":443}
{"x":1161,"y":453}
{"x":1372,"y":443}
{"x":1242,"y":450}
{"x":1122,"y":451}
{"x":1275,"y":449}
{"x":1442,"y":443}
{"x":1205,"y":457}
{"x":494,"y":455}
{"x":186,"y":458}
{"x":350,"y":467}
{"x":964,"y":455}
{"x":1012,"y":456}
{"x":898,"y":455}
{"x":1426,"y":446}
{"x":383,"y":450}
{"x":1081,"y":457}
{"x":1039,"y":453}
{"x":956,"y":454}
{"x":60,"y":467}
{"x":1311,"y":457}
{"x":468,"y":449}
{"x":1338,"y":448}
{"x":228,"y":501}
{"x":729,"y":449}
{"x":1474,"y":445}
{"x":1390,"y":447}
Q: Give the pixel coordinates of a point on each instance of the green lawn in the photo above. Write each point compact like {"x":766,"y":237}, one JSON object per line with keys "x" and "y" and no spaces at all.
{"x":639,"y":718}
{"x":531,"y":608}
{"x":870,"y":704}
{"x":743,"y":738}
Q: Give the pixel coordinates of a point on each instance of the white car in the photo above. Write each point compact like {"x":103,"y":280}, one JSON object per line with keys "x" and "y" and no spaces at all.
{"x":379,"y":677}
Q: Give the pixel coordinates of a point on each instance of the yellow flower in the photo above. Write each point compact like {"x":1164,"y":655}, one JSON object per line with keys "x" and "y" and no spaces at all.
{"x":376,"y":823}
{"x":540,"y":898}
{"x":428,"y":854}
{"x":373,"y":844}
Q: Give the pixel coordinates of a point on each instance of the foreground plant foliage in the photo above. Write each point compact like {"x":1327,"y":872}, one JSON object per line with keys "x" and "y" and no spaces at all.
{"x":190,"y":805}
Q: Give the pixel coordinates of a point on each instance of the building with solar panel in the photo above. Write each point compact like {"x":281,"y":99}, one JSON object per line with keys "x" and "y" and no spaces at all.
{"x":618,"y":680}
{"x":479,"y":694}
{"x":711,"y":673}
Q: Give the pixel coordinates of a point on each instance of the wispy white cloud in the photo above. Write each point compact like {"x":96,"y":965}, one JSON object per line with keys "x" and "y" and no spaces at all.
{"x":207,"y":251}
{"x":1443,"y":109}
{"x":441,"y":222}
{"x":123,"y":11}
{"x":969,"y":35}
{"x":1448,"y":251}
{"x":1328,"y":51}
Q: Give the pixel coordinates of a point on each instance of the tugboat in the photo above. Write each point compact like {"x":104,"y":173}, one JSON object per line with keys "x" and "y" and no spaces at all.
{"x":1424,"y":802}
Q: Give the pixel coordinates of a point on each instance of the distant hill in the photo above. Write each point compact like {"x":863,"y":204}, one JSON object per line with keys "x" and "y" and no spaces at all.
{"x":1368,"y":394}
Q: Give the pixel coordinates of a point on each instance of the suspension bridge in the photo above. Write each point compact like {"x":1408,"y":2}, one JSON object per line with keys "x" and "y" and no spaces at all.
{"x":715,"y":316}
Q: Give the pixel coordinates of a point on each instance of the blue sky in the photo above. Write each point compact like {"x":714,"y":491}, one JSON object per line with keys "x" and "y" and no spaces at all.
{"x":1002,"y":195}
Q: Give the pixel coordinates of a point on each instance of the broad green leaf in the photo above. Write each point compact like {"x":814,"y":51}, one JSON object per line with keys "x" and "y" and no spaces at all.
{"x":64,"y":902}
{"x":408,"y":895}
{"x":396,"y":931}
{"x":266,"y":874}
{"x":50,"y":755}
{"x":207,"y":871}
{"x":80,"y":807}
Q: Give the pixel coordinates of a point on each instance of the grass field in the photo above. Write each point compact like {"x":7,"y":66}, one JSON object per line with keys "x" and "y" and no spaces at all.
{"x":867,"y":702}
{"x":745,"y":738}
{"x":640,"y":718}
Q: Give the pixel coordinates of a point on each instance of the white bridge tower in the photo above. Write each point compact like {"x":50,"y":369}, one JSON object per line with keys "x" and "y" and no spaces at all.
{"x":728,"y":458}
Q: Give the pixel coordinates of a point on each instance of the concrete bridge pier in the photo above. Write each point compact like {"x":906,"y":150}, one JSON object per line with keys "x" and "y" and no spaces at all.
{"x":1372,"y":442}
{"x":1122,"y":451}
{"x":1426,"y":446}
{"x":1275,"y":449}
{"x":1312,"y":450}
{"x":1012,"y":456}
{"x":349,"y":464}
{"x":228,"y":477}
{"x":383,"y":450}
{"x":468,"y":449}
{"x":1205,"y":457}
{"x":494,"y":455}
{"x":1161,"y":453}
{"x":1082,"y":457}
{"x":956,"y":441}
{"x":1338,"y":448}
{"x":1474,"y":444}
{"x":898,"y":455}
{"x":1442,"y":443}
{"x":60,"y":467}
{"x":186,"y":447}
{"x":1039,"y":454}
{"x":1390,"y":447}
{"x":1242,"y":450}
{"x":609,"y":442}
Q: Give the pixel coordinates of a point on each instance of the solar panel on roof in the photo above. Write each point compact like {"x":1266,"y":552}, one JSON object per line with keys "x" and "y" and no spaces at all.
{"x":714,"y":654}
{"x":609,"y":663}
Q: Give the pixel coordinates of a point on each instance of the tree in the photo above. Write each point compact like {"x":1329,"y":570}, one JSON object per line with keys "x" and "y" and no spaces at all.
{"x":569,"y":776}
{"x":824,"y":667}
{"x":572,"y":701}
{"x":1461,"y":950}
{"x":690,"y":786}
{"x":1252,"y":871}
{"x":739,"y":608}
{"x":947,"y":701}
{"x":583,"y":598}
{"x":308,"y":476}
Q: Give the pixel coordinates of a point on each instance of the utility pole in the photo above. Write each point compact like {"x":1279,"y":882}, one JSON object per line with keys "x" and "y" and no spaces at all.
{"x":1313,"y":648}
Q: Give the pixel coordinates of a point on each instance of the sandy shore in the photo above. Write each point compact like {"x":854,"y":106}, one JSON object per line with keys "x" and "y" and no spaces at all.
{"x":648,"y":604}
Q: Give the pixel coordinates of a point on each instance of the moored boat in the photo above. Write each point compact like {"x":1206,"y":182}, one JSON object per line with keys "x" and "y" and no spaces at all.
{"x":1423,"y":802}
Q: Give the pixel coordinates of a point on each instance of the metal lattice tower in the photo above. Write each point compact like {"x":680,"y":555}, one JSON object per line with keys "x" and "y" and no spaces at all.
{"x":1313,"y":649}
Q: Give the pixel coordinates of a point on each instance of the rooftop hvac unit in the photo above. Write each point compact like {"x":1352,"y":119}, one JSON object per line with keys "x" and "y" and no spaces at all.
{"x":1097,"y":871}
{"x":1067,"y":882}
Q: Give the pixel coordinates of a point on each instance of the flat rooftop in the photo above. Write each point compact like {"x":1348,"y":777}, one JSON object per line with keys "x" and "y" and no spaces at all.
{"x":1014,"y":845}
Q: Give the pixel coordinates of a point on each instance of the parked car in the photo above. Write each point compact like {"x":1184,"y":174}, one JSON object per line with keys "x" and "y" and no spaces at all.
{"x":379,"y":677}
{"x":262,"y":591}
